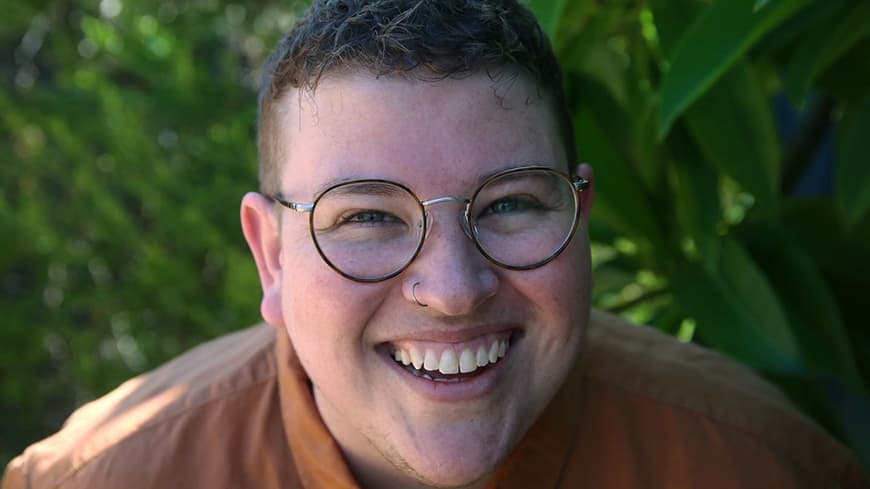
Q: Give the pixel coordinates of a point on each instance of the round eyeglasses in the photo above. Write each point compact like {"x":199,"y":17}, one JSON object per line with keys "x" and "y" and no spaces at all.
{"x":371,"y":230}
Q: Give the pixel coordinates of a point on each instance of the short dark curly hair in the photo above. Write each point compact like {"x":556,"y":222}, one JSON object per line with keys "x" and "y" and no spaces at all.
{"x":421,"y":39}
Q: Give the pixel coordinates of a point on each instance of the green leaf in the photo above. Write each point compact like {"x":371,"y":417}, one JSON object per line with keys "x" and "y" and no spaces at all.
{"x":711,"y":45}
{"x":757,"y":296}
{"x":816,"y":224}
{"x":821,"y":48}
{"x":549,"y":15}
{"x":696,"y":195}
{"x":848,"y":80}
{"x":753,"y":331}
{"x":813,"y":312}
{"x":733,"y":126}
{"x":671,"y":19}
{"x":817,"y":323}
{"x":760,"y":4}
{"x":852,"y":180}
{"x":621,"y":199}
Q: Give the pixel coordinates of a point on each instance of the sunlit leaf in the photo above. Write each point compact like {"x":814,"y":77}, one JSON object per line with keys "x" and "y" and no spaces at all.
{"x":710,"y":47}
{"x":696,"y":197}
{"x":734,"y":128}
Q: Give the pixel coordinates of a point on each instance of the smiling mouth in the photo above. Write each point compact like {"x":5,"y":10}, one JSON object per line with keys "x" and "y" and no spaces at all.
{"x":453,"y":363}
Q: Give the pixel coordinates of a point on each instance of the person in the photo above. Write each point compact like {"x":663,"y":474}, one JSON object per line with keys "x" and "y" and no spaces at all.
{"x":421,"y":239}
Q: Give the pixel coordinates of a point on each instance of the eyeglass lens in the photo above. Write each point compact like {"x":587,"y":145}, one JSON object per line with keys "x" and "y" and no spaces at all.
{"x":372,"y":229}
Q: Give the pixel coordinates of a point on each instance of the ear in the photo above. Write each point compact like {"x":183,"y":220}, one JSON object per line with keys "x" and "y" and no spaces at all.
{"x":264,"y":238}
{"x":587,"y":197}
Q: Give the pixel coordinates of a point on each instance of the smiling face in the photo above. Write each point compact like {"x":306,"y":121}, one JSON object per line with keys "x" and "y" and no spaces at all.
{"x":522,"y":328}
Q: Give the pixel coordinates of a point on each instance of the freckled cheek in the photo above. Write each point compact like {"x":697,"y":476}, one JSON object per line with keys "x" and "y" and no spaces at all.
{"x":326,"y":311}
{"x":559,"y":292}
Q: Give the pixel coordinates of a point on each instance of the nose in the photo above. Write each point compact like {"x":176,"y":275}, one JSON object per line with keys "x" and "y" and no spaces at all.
{"x":453,"y":277}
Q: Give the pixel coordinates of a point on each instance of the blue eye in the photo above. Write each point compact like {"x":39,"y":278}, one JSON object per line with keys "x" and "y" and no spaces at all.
{"x":512,"y":204}
{"x":366,"y":217}
{"x":369,"y":218}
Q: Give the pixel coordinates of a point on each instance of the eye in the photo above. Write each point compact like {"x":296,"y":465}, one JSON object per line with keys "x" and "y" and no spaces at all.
{"x":368,"y":217}
{"x":511,"y":204}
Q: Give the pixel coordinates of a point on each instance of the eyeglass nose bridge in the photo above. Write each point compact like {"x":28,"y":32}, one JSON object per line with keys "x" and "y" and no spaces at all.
{"x":463,"y":218}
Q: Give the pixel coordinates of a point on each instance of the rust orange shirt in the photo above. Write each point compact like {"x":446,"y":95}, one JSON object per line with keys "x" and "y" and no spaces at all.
{"x":639,"y":410}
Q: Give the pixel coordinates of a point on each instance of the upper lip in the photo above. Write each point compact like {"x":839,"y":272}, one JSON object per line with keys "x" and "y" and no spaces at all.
{"x":451,"y":334}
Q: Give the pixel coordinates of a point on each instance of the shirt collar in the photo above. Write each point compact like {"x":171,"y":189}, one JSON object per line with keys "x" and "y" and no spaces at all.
{"x":318,"y":458}
{"x":538,"y":461}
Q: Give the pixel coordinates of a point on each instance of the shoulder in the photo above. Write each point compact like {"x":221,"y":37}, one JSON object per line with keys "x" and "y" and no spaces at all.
{"x":196,"y":404}
{"x":695,"y":402}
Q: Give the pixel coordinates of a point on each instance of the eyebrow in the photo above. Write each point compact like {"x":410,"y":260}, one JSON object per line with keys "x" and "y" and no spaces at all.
{"x":479,"y":180}
{"x":385,"y":187}
{"x":525,"y":164}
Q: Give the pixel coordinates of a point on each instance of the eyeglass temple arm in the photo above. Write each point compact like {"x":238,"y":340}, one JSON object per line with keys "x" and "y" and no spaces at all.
{"x":296,"y":206}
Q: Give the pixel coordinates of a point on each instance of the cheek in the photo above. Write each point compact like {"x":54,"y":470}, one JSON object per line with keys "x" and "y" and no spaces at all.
{"x":326,"y":315}
{"x":560,"y":293}
{"x":563,"y":285}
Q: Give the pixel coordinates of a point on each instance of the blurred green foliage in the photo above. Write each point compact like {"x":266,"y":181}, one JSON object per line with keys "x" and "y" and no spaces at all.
{"x":130,"y":138}
{"x":131,"y":130}
{"x":713,"y":221}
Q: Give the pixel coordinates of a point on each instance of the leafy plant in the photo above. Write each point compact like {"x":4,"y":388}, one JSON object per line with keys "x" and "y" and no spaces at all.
{"x":704,"y":227}
{"x":130,"y":139}
{"x":131,"y":130}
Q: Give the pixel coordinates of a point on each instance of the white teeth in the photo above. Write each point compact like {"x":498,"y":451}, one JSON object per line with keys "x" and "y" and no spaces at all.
{"x":493,"y":352}
{"x":416,"y":358}
{"x":448,"y":364}
{"x":482,"y":357}
{"x":467,"y":362}
{"x":430,"y":361}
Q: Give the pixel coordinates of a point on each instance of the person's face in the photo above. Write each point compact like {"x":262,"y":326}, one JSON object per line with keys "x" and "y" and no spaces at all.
{"x":438,"y":139}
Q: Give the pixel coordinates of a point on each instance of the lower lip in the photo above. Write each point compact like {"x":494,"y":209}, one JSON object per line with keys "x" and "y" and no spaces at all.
{"x":468,"y":389}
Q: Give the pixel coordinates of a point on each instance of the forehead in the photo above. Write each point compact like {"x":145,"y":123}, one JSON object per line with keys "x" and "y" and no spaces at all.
{"x":450,"y":131}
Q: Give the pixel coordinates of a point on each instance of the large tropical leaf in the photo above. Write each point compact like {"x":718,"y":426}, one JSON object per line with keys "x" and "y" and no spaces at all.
{"x":737,"y":311}
{"x":711,"y":45}
{"x":621,"y":199}
{"x":734,"y":128}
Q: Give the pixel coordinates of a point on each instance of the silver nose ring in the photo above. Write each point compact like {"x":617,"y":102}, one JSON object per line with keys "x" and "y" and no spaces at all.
{"x":414,"y":295}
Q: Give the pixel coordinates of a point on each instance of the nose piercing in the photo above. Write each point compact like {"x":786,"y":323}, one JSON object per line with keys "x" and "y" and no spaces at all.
{"x":414,"y":295}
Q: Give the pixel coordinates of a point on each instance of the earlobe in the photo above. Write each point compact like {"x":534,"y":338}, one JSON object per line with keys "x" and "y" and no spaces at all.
{"x":587,"y":197}
{"x":264,"y":239}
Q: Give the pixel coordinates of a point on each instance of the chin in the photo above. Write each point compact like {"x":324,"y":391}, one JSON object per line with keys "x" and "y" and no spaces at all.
{"x":452,"y":463}
{"x":456,"y":473}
